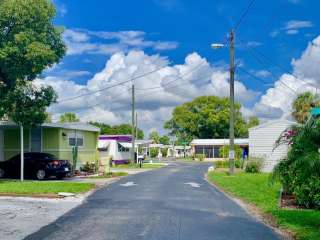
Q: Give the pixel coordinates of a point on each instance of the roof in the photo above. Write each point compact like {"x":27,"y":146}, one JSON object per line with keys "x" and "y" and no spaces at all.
{"x":122,"y":138}
{"x":268,"y":123}
{"x":71,"y":125}
{"x":237,"y":141}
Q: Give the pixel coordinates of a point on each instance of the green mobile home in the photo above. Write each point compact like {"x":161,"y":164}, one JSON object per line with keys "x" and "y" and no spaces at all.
{"x":55,"y":138}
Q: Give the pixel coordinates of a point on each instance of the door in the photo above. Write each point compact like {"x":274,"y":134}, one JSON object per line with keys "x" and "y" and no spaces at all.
{"x":1,"y":145}
{"x":36,"y":140}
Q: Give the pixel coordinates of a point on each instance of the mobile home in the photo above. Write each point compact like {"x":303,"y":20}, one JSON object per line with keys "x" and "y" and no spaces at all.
{"x":55,"y":138}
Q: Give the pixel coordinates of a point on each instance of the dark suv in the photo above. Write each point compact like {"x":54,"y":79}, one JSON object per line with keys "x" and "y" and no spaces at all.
{"x":36,"y":165}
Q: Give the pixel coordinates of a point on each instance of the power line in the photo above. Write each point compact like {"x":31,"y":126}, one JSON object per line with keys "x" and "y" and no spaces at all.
{"x":112,"y":86}
{"x":244,"y":14}
{"x":258,"y":59}
{"x":178,"y":78}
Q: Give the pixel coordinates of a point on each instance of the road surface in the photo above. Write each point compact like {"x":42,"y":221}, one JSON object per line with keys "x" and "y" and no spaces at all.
{"x":171,"y":203}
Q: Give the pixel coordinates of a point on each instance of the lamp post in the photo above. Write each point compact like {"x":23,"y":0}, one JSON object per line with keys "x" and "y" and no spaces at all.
{"x":232,"y":71}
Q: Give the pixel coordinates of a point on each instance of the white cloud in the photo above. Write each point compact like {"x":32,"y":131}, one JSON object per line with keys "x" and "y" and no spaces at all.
{"x":292,"y":31}
{"x":262,"y":73}
{"x":292,"y":27}
{"x":172,"y":85}
{"x":296,"y":24}
{"x":306,"y":75}
{"x":80,"y":41}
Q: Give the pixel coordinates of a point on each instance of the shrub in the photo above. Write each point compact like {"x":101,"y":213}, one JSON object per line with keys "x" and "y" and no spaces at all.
{"x":89,"y":167}
{"x":224,"y":152}
{"x":200,"y":157}
{"x":253,"y":166}
{"x":225,"y":164}
{"x":299,"y":172}
{"x":164,"y":152}
{"x":154,"y":152}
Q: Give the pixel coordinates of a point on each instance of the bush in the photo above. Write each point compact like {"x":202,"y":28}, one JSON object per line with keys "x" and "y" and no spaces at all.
{"x":154,"y":152}
{"x":225,"y":164}
{"x":253,"y":166}
{"x":200,"y":157}
{"x":88,"y":167}
{"x":224,"y":152}
{"x":164,"y":152}
{"x":299,"y":172}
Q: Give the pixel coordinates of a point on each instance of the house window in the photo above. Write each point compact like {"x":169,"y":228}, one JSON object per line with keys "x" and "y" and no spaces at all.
{"x":122,"y":148}
{"x":72,"y":138}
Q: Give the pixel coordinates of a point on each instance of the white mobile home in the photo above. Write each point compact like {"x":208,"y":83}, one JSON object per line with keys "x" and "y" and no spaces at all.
{"x":118,"y":147}
{"x":262,"y":141}
{"x":211,"y":147}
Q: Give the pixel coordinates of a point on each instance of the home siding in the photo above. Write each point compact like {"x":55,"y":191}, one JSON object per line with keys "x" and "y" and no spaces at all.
{"x":262,"y":143}
{"x":87,"y":153}
{"x":12,"y":142}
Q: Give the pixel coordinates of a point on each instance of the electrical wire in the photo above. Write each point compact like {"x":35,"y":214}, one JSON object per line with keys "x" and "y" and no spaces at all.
{"x":243,"y":15}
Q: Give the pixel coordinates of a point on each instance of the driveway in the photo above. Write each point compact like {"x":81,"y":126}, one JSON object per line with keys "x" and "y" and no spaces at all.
{"x":173,"y":202}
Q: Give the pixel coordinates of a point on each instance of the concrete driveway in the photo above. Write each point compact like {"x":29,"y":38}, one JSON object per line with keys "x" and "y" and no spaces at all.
{"x":174,"y":202}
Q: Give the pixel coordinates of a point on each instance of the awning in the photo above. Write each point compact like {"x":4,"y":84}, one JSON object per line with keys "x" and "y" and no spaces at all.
{"x":103,"y":144}
{"x":126,"y":144}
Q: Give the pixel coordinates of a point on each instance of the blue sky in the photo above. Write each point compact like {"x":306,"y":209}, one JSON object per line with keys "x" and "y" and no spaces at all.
{"x":174,"y":29}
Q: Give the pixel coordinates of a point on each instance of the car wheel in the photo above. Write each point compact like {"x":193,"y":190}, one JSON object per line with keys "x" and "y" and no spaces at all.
{"x":1,"y":173}
{"x":41,"y":174}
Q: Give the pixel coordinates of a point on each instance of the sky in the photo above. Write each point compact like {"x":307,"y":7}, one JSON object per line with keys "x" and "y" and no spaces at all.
{"x":163,"y":46}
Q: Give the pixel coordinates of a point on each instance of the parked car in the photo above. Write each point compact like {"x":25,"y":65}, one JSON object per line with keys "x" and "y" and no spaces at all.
{"x":36,"y":165}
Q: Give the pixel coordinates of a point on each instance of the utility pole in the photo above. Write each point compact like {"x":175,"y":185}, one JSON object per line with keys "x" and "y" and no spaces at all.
{"x":21,"y":154}
{"x":136,"y":126}
{"x":231,"y":130}
{"x":133,"y":126}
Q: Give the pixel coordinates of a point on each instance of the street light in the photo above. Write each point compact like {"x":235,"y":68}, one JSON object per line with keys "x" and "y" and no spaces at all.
{"x":217,"y":45}
{"x":232,"y":70}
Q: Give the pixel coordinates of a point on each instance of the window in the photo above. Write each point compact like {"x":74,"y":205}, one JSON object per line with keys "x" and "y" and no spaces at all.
{"x":122,"y":148}
{"x":72,"y":138}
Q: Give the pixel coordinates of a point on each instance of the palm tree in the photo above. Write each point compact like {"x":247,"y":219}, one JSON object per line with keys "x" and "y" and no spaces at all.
{"x":302,"y":106}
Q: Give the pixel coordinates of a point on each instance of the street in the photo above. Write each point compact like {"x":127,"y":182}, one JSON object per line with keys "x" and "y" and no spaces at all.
{"x":174,"y":202}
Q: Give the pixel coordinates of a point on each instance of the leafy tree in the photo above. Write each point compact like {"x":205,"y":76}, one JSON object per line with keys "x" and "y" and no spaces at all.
{"x":117,"y":129}
{"x":29,"y":43}
{"x":253,"y":121}
{"x":299,"y":171}
{"x":205,"y":117}
{"x":48,"y":117}
{"x":28,"y":103}
{"x":104,"y":128}
{"x":68,"y":117}
{"x":165,"y":140}
{"x":154,"y":136}
{"x":302,"y":105}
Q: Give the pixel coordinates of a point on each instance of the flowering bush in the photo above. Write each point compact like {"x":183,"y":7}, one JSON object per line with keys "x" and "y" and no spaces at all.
{"x":299,"y":172}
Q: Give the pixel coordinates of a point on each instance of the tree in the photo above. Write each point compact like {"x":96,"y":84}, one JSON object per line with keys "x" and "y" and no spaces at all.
{"x":28,"y":103}
{"x":154,"y":136}
{"x":68,"y":117}
{"x":29,"y":42}
{"x":165,"y":140}
{"x":205,"y":117}
{"x":302,"y":105}
{"x":253,"y":121}
{"x":104,"y":128}
{"x":116,"y":129}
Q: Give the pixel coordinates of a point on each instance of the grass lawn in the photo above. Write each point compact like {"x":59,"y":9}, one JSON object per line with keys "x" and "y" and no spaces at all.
{"x":111,"y":175}
{"x":255,"y":189}
{"x":144,"y":165}
{"x":37,"y":187}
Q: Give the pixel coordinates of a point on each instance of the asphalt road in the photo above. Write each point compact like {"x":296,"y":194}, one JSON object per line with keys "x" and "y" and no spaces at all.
{"x":174,"y":202}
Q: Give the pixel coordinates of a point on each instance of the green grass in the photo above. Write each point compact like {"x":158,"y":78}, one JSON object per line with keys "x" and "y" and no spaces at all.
{"x":111,"y":175}
{"x":144,"y":165}
{"x":255,"y":189}
{"x":36,"y":187}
